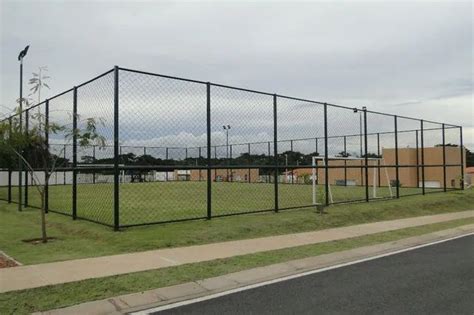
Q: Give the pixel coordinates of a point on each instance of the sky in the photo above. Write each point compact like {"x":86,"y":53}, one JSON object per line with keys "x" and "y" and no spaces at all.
{"x":407,"y":58}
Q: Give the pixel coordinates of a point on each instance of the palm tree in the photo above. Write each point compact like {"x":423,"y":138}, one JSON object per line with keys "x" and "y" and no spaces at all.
{"x":38,"y":82}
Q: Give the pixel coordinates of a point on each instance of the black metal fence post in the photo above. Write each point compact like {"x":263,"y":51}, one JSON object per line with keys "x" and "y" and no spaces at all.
{"x":316,"y":162}
{"x":10,"y":168}
{"x":229,"y":163}
{"x":461,"y":146}
{"x":345,"y":161}
{"x":199,"y":163}
{"x":366,"y":157}
{"x":378,"y":161}
{"x":93,"y":159}
{"x":215,"y":158}
{"x":74,"y":155}
{"x":326,"y":168}
{"x":46,"y":130}
{"x":64,"y":157}
{"x":27,"y":157}
{"x":116,"y":151}
{"x":249,"y":162}
{"x":422,"y":147}
{"x":208,"y":131}
{"x":166,"y":158}
{"x":397,"y":175}
{"x":275,"y":150}
{"x":444,"y":157}
{"x":417,"y":160}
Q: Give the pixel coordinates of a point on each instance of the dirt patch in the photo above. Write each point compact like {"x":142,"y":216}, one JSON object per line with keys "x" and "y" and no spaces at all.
{"x":6,"y":263}
{"x":36,"y":241}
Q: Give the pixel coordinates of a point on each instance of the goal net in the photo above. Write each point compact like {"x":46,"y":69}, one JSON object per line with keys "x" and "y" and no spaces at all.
{"x":376,"y":165}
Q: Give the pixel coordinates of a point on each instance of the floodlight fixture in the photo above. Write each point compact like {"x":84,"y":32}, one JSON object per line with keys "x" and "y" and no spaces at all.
{"x":23,"y":53}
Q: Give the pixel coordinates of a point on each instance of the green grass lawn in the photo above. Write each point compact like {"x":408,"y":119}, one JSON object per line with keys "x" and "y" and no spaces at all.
{"x":167,"y":201}
{"x":79,"y":239}
{"x":56,"y":296}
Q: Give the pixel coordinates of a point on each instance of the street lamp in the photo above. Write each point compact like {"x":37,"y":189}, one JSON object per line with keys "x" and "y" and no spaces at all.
{"x":227,"y":128}
{"x":20,"y":172}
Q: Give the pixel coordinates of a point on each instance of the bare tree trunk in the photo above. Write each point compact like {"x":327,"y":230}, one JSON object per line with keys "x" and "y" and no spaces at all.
{"x":43,"y":217}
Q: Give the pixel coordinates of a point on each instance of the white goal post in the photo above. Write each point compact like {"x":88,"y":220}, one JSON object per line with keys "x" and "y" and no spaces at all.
{"x":314,"y":178}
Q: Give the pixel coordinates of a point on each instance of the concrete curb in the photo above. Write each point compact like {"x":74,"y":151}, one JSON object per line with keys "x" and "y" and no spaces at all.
{"x":2,"y":253}
{"x":129,"y":303}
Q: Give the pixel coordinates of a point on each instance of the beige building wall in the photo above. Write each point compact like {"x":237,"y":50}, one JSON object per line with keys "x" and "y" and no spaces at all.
{"x":407,"y":175}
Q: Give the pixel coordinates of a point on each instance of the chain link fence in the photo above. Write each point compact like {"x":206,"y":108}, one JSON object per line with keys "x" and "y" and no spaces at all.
{"x":177,"y":149}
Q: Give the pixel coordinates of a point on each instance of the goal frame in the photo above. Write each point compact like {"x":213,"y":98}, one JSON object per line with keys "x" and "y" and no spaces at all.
{"x":336,"y":158}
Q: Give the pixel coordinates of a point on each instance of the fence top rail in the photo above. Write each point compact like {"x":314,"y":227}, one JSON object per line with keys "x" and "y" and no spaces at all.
{"x":226,"y":86}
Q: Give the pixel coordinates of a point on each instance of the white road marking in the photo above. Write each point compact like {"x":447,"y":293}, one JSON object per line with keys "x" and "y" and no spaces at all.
{"x":261,"y":284}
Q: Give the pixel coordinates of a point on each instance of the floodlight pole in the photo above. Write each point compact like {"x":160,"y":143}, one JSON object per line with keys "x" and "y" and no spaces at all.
{"x":20,"y":164}
{"x":20,"y":172}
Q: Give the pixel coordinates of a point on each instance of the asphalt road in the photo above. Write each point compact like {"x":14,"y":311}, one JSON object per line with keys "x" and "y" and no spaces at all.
{"x":437,"y":279}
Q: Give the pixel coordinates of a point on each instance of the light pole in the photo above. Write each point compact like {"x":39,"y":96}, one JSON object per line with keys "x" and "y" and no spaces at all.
{"x":20,"y":164}
{"x":227,"y":128}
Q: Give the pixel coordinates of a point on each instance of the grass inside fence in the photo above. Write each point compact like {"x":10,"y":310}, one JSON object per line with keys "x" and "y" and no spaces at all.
{"x":167,"y":201}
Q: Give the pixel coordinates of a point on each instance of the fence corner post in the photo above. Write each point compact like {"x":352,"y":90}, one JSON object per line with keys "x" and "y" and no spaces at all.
{"x":366,"y":159}
{"x":74,"y":155}
{"x":397,"y":172}
{"x":46,"y":182}
{"x":275,"y":150}
{"x":116,"y":151}
{"x":444,"y":156}
{"x":422,"y":145}
{"x":208,"y":131}
{"x":326,"y":160}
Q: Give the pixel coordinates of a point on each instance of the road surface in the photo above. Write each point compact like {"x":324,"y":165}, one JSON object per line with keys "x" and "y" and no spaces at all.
{"x":437,"y":279}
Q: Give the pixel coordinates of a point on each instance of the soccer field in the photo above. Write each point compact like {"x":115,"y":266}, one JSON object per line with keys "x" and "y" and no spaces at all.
{"x":164,"y":201}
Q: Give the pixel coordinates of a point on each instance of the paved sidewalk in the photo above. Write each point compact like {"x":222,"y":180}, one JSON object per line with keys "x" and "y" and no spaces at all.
{"x":32,"y":276}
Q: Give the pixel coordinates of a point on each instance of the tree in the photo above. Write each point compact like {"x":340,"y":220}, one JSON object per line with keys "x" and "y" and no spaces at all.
{"x":447,"y":145}
{"x":38,"y":81}
{"x":31,"y":148}
{"x":371,"y":155}
{"x":469,"y":158}
{"x":343,"y":154}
